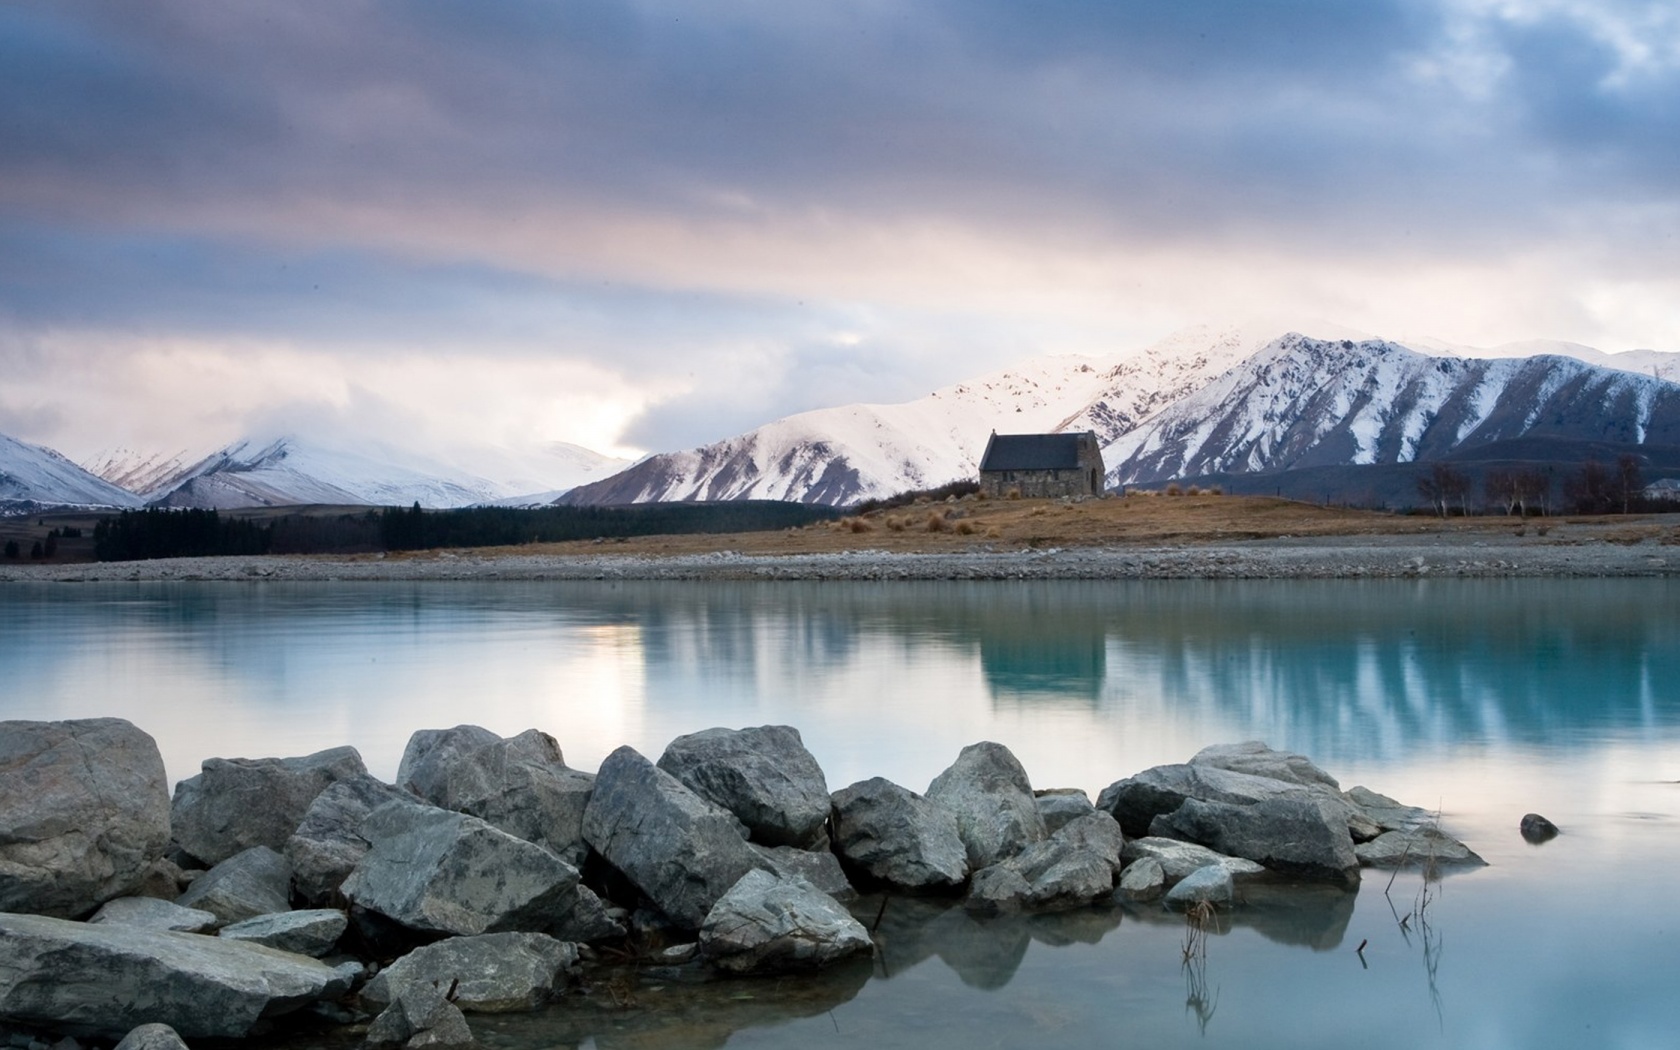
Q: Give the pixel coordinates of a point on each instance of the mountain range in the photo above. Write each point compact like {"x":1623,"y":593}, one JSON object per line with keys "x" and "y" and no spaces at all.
{"x":1256,"y":409}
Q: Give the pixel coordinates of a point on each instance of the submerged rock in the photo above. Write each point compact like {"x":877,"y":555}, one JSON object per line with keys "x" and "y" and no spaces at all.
{"x":1424,"y":847}
{"x":328,"y":843}
{"x":84,"y":811}
{"x":762,"y":774}
{"x":490,"y":973}
{"x":237,"y":803}
{"x":773,"y":924}
{"x":992,"y":799}
{"x":1210,"y":885}
{"x":898,"y":837}
{"x":1537,"y":829}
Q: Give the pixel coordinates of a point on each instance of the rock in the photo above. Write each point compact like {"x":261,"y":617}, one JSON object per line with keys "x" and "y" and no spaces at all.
{"x":770,"y":924}
{"x":589,"y":920}
{"x":1137,"y":801}
{"x":1387,"y":814}
{"x":1294,"y":836}
{"x":898,"y":837}
{"x":1143,"y":880}
{"x":683,"y":852}
{"x":997,"y":890}
{"x":436,"y":871}
{"x":237,"y":803}
{"x":1179,"y":859}
{"x":1058,"y":806}
{"x":1211,"y":884}
{"x":84,"y":810}
{"x":445,"y":1028}
{"x":763,"y":775}
{"x":255,"y":882}
{"x":820,"y":868}
{"x":163,"y":880}
{"x":422,"y":1015}
{"x":328,"y":843}
{"x":1073,"y":867}
{"x":315,"y":932}
{"x":1257,"y":759}
{"x":491,"y":973}
{"x":1422,"y":848}
{"x":153,"y":914}
{"x":988,"y":791}
{"x":520,"y":784}
{"x":152,"y":1037}
{"x":102,"y":980}
{"x":1537,"y":829}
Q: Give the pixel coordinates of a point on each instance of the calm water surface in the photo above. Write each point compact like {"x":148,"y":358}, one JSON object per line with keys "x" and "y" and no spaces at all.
{"x":1485,"y":699}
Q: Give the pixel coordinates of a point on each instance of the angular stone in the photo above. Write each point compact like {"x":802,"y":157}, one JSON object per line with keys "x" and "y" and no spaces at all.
{"x":1058,"y":806}
{"x":1143,"y":880}
{"x":1307,"y":837}
{"x":255,"y":882}
{"x":1387,"y":814}
{"x":1425,"y":847}
{"x":762,"y":774}
{"x":422,"y":1015}
{"x":589,"y":920}
{"x":770,"y":924}
{"x":1258,"y":759}
{"x":237,"y":803}
{"x":437,"y":871}
{"x":1178,"y":859}
{"x":680,"y":850}
{"x":898,"y":837}
{"x":1211,"y":885}
{"x":1072,"y":868}
{"x":988,"y":791}
{"x":490,"y":973}
{"x":997,"y":890}
{"x":103,"y":980}
{"x":328,"y":843}
{"x":1138,"y":800}
{"x":84,"y":810}
{"x":820,"y":868}
{"x":521,"y":784}
{"x":1537,"y":829}
{"x":152,"y":1037}
{"x":153,"y":914}
{"x":314,"y":932}
{"x":445,"y":1027}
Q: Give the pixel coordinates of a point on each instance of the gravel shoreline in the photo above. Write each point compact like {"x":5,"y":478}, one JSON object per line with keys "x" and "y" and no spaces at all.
{"x":1285,"y":558}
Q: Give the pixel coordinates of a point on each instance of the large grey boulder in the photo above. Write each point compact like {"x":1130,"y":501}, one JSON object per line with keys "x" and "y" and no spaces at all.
{"x":103,"y":980}
{"x":328,"y":842}
{"x":681,"y":851}
{"x":152,"y":1037}
{"x":1258,"y":759}
{"x":1138,"y":800}
{"x":153,"y":914}
{"x":1071,"y":868}
{"x":436,"y":871}
{"x":255,"y":882}
{"x":237,"y":803}
{"x":988,"y":791}
{"x":491,"y":973}
{"x":1307,"y":837}
{"x":821,"y":868}
{"x":521,"y":784}
{"x":1386,"y":813}
{"x":770,"y":924}
{"x":898,"y":837}
{"x":762,"y":774}
{"x":84,"y":810}
{"x":1179,"y":859}
{"x":1426,"y":847}
{"x":312,"y":932}
{"x":1143,"y":880}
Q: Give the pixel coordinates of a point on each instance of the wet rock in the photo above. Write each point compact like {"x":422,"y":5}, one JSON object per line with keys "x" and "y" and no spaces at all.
{"x":328,"y":843}
{"x":1254,"y":757}
{"x":1073,"y":867}
{"x":237,"y":803}
{"x":313,"y":932}
{"x":997,"y":890}
{"x":521,"y":784}
{"x":436,"y":871}
{"x":490,"y":973}
{"x":1179,"y":859}
{"x":763,"y":775}
{"x":84,"y":808}
{"x":898,"y":837}
{"x":421,"y":1016}
{"x":1537,"y":829}
{"x":1058,"y":806}
{"x":1143,"y":880}
{"x":1293,"y":836}
{"x":1424,"y":847}
{"x":1386,"y":813}
{"x":1136,"y":801}
{"x":680,"y":850}
{"x":989,"y":793}
{"x":255,"y":882}
{"x":102,"y":980}
{"x":820,"y":868}
{"x":152,"y":1037}
{"x":1211,"y":885}
{"x":770,"y":924}
{"x":152,"y":914}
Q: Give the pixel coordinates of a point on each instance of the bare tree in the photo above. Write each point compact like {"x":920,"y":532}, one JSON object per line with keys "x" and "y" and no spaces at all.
{"x":1501,"y":488}
{"x":1630,"y":481}
{"x":1443,"y":486}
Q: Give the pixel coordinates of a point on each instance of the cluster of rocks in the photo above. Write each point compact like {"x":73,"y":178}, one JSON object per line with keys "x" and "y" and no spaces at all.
{"x":488,"y":875}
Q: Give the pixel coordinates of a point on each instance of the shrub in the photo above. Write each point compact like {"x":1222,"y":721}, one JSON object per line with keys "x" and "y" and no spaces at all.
{"x":965,"y":528}
{"x":936,"y":522}
{"x":1174,"y":490}
{"x":1014,"y":493}
{"x":858,"y":525}
{"x":895,"y":524}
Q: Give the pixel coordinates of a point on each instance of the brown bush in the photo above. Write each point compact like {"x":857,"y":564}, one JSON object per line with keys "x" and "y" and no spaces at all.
{"x":895,"y":524}
{"x":857,"y":524}
{"x":965,"y":528}
{"x":936,"y":522}
{"x":1014,"y":493}
{"x":1174,"y":490}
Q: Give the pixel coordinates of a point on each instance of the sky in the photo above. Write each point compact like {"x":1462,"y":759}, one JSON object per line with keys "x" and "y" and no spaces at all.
{"x":642,"y":226}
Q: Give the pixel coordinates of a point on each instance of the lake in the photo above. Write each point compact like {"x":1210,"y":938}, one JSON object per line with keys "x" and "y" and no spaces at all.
{"x":1484,"y":699}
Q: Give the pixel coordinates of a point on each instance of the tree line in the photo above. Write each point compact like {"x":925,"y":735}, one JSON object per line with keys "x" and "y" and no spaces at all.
{"x":1592,"y":488}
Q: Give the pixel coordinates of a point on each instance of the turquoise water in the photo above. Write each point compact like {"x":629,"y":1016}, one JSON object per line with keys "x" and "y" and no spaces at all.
{"x":1483,"y":699}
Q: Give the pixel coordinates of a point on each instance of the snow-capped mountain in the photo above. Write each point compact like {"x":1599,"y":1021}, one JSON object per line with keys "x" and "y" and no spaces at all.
{"x":139,"y":472}
{"x":1304,"y":402}
{"x":30,"y":474}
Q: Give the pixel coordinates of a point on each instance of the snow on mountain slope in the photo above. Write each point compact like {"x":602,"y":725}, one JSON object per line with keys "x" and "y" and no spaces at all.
{"x":1657,"y":364}
{"x":33,"y":474}
{"x":1304,"y":402}
{"x":138,"y":472}
{"x":856,"y":452}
